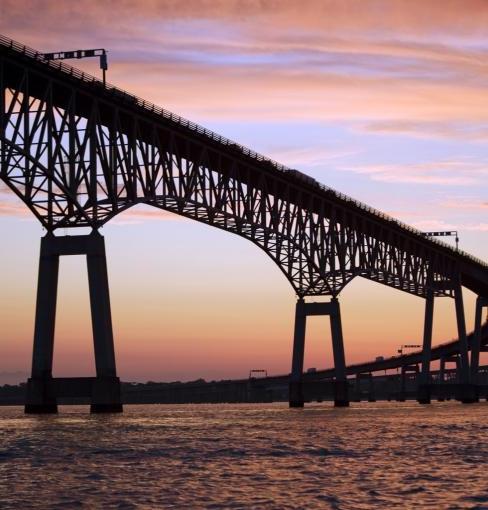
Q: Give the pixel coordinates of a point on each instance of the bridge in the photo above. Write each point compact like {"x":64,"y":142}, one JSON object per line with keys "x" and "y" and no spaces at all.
{"x":77,"y":152}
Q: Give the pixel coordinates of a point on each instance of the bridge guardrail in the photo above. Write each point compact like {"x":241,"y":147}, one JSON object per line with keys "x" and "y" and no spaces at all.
{"x":153,"y":108}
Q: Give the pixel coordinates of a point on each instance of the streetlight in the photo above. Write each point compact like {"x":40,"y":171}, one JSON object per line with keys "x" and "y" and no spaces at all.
{"x":63,"y":55}
{"x":445,"y":233}
{"x":407,"y":346}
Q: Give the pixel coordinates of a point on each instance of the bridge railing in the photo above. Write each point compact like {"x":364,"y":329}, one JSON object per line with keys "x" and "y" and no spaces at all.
{"x":151,"y":107}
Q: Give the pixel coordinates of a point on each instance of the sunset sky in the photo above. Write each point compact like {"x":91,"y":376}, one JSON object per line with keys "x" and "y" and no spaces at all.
{"x":386,"y":101}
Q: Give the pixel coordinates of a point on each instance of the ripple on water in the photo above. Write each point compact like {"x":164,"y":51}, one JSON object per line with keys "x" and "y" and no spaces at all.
{"x":246,"y":456}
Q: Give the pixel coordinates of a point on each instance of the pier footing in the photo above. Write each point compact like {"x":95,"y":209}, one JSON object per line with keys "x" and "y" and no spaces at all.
{"x":467,"y":393}
{"x":341,"y":394}
{"x":103,"y":393}
{"x":424,"y":394}
{"x":296,"y":394}
{"x":42,"y":389}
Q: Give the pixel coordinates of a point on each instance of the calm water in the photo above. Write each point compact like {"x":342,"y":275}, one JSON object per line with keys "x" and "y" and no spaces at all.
{"x":381,"y":455}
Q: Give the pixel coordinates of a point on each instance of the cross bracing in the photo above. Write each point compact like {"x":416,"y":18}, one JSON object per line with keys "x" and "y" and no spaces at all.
{"x":78,"y":153}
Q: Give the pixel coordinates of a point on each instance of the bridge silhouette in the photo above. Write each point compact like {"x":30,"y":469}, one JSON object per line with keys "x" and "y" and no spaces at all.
{"x":78,"y":152}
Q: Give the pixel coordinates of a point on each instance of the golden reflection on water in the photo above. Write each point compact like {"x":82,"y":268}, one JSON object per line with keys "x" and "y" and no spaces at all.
{"x":381,"y":455}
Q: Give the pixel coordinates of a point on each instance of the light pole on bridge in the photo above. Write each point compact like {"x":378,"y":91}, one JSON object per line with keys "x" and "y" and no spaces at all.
{"x":64,"y":55}
{"x":407,"y":346}
{"x":445,"y":233}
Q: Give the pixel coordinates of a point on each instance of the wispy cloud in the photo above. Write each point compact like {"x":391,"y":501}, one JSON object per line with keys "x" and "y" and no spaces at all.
{"x":142,"y":213}
{"x":307,"y":156}
{"x":418,"y":69}
{"x":444,"y":172}
{"x":10,"y":205}
{"x":473,"y":132}
{"x":419,"y":18}
{"x":439,"y":225}
{"x":319,"y":60}
{"x":432,"y":224}
{"x":465,"y":203}
{"x":477,"y":227}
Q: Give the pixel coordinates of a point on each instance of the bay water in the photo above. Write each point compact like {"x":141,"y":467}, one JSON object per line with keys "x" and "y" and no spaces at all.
{"x":371,"y":455}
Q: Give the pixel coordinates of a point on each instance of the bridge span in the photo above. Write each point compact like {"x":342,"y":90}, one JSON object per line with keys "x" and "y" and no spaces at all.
{"x":77,"y":152}
{"x":448,"y":352}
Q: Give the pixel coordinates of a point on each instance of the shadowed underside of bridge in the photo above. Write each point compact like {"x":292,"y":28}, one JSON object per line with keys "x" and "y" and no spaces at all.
{"x":77,"y":153}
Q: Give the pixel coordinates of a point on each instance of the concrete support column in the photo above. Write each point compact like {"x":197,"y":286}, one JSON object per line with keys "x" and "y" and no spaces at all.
{"x":105,"y":390}
{"x":442,"y":370}
{"x":371,"y":388}
{"x":406,"y":369}
{"x":341,"y":394}
{"x":106,"y":393}
{"x":403,"y":384}
{"x":357,"y":388}
{"x":475,"y":350}
{"x":456,"y":359}
{"x":467,"y":393}
{"x":372,"y":394}
{"x":442,"y":373}
{"x":100,"y":309}
{"x":37,"y":399}
{"x":423,"y":396}
{"x":296,"y":389}
{"x":463,"y":343}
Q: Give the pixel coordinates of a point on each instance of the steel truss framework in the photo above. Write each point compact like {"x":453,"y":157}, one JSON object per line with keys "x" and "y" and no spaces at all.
{"x":78,"y":153}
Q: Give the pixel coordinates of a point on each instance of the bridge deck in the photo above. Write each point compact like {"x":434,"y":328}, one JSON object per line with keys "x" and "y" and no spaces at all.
{"x":474,"y":272}
{"x":443,"y":350}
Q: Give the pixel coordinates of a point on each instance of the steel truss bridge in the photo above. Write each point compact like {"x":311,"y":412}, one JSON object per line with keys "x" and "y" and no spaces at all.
{"x":78,"y":152}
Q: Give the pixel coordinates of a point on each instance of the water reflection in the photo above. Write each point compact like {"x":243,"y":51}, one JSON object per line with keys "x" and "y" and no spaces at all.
{"x":239,"y":456}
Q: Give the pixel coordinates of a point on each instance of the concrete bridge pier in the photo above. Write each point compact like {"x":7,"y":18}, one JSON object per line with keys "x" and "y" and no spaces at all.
{"x":481,"y":302}
{"x":445,"y":389}
{"x":456,"y":361}
{"x":370,"y":378}
{"x":341,"y":386}
{"x":296,"y":378}
{"x":442,"y":377}
{"x":302,"y":310}
{"x":423,"y":391}
{"x":357,"y":388}
{"x":406,"y":369}
{"x":38,"y":399}
{"x":42,"y":389}
{"x":371,"y":393}
{"x":467,"y":393}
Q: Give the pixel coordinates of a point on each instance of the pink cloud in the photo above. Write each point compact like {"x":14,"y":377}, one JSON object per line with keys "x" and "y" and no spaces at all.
{"x":434,"y":225}
{"x":11,"y":206}
{"x":310,"y":156}
{"x":468,"y":204}
{"x":477,"y":227}
{"x":444,"y":172}
{"x":8,"y":208}
{"x":473,"y":132}
{"x":438,"y":225}
{"x":319,"y":60}
{"x":142,"y":213}
{"x":419,"y":18}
